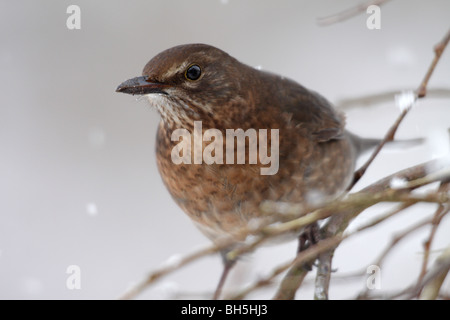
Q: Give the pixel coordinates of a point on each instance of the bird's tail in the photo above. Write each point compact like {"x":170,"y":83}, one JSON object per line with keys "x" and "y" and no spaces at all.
{"x":365,"y":144}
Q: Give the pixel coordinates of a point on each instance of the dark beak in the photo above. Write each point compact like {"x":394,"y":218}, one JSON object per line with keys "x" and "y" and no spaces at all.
{"x":141,"y":85}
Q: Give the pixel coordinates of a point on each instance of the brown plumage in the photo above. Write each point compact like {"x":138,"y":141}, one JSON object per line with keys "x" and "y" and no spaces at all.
{"x":316,"y":154}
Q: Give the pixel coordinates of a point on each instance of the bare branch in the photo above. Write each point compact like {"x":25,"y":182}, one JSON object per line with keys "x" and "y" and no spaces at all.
{"x":351,"y":206}
{"x":294,"y":218}
{"x":441,"y":211}
{"x":383,"y":97}
{"x":303,"y":257}
{"x":290,"y":283}
{"x":438,"y":50}
{"x":420,"y":93}
{"x":349,"y":13}
{"x":432,"y":282}
{"x":323,"y":275}
{"x":168,"y":268}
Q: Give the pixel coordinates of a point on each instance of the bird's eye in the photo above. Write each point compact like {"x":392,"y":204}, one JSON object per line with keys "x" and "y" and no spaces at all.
{"x":193,"y":72}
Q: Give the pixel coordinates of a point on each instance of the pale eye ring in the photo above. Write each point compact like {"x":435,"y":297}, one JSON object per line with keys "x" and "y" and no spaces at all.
{"x":193,"y":72}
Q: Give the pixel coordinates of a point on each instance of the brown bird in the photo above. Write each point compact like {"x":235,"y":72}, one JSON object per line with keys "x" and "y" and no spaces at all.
{"x":197,"y":82}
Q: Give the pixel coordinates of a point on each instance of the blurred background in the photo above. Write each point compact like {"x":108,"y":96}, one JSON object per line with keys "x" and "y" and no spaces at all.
{"x":78,"y":178}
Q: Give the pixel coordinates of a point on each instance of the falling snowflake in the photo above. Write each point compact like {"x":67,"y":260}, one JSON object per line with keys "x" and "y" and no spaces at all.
{"x":91,"y":209}
{"x":405,"y":100}
{"x":173,"y":261}
{"x":398,"y":183}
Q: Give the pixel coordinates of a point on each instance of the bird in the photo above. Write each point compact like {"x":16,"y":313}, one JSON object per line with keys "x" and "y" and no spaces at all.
{"x":199,"y":83}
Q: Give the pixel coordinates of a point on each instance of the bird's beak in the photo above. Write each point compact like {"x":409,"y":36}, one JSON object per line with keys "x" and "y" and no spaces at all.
{"x":141,"y":85}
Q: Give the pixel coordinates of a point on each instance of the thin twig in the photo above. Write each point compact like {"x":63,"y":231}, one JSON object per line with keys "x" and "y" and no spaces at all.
{"x":354,"y":204}
{"x":322,"y":286}
{"x":430,"y":289}
{"x":349,"y":13}
{"x":394,"y":241}
{"x":374,"y":194}
{"x":303,"y":257}
{"x":168,"y":268}
{"x":441,"y":211}
{"x":438,"y":50}
{"x":395,"y":211}
{"x":420,"y":93}
{"x":383,"y":97}
{"x":387,"y":138}
{"x":431,"y":283}
{"x":296,"y":275}
{"x":297,"y":272}
{"x":398,"y":237}
{"x":338,"y":223}
{"x":348,"y":207}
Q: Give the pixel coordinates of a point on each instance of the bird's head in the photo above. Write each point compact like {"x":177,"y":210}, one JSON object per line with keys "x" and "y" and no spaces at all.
{"x":191,"y":82}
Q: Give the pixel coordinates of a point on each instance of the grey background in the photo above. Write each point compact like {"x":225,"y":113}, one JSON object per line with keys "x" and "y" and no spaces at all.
{"x":78,"y":179}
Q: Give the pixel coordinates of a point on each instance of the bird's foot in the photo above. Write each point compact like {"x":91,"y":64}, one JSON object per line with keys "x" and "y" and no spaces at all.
{"x":310,"y":236}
